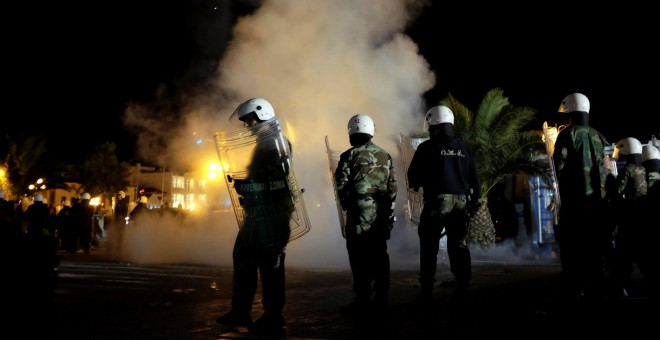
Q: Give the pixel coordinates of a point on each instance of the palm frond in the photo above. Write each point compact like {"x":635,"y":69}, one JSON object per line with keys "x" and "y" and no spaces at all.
{"x":463,"y":117}
{"x":490,"y":109}
{"x":495,"y":138}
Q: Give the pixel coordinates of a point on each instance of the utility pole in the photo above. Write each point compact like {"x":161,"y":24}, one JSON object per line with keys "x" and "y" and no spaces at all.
{"x":162,"y":187}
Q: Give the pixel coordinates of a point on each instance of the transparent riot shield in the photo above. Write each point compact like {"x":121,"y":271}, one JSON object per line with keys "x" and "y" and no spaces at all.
{"x":543,"y":220}
{"x":415,"y":201}
{"x":256,"y":162}
{"x":549,"y":137}
{"x":333,"y":161}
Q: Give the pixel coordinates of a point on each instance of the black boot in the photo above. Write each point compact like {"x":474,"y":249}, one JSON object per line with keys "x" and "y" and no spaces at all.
{"x":269,"y":323}
{"x":355,"y":309}
{"x":236,"y":319}
{"x":459,"y":298}
{"x":425,"y":296}
{"x":380,"y":301}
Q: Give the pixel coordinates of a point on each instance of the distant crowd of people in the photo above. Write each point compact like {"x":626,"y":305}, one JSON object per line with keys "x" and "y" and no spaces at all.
{"x":31,"y":223}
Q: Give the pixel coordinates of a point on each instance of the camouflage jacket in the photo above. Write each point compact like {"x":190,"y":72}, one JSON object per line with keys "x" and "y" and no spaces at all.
{"x":631,"y":183}
{"x":579,"y":162}
{"x":652,"y":172}
{"x":366,"y":172}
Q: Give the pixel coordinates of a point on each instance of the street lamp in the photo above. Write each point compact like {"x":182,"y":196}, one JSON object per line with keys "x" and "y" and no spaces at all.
{"x":40,"y":184}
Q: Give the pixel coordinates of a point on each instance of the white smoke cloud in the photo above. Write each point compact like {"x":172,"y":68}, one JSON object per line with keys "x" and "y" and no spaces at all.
{"x":318,"y":63}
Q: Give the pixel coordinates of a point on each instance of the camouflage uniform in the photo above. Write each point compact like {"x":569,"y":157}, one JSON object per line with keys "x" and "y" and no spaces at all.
{"x":583,"y":233}
{"x":652,"y":172}
{"x":631,"y":186}
{"x":367,"y":187}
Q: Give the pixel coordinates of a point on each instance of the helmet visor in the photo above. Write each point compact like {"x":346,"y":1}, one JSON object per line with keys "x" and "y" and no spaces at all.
{"x":246,"y":121}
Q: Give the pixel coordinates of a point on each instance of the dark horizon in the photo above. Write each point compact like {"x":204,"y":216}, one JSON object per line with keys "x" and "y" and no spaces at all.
{"x":72,"y":76}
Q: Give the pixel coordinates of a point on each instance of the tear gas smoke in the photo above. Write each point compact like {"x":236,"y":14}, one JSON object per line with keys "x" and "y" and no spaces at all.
{"x":318,"y":63}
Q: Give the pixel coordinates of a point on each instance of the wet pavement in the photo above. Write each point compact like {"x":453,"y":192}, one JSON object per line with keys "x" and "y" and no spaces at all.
{"x":98,"y":297}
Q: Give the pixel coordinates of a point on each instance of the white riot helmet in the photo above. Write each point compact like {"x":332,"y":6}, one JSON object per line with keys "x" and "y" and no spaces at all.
{"x":361,"y":123}
{"x":258,"y":106}
{"x":575,"y":102}
{"x":38,"y":198}
{"x":121,"y":194}
{"x":438,"y":115}
{"x":86,"y":196}
{"x":650,"y":152}
{"x":627,"y":146}
{"x":66,"y":203}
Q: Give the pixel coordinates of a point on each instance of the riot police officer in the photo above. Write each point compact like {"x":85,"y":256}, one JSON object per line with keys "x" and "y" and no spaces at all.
{"x":445,"y":169}
{"x":366,"y":187}
{"x":264,"y":231}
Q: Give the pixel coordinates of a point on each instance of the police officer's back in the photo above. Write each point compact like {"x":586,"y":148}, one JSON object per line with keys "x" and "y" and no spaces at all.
{"x":139,"y":211}
{"x":445,"y":169}
{"x":39,"y":219}
{"x":84,"y":212}
{"x":121,"y":209}
{"x":367,"y":188}
{"x":582,"y":234}
{"x":66,"y":226}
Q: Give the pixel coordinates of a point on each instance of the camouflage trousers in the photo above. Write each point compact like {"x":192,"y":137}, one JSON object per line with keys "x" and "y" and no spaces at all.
{"x":447,"y":203}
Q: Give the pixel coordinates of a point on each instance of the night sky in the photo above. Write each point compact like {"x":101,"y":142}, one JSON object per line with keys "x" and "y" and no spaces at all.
{"x":70,"y":69}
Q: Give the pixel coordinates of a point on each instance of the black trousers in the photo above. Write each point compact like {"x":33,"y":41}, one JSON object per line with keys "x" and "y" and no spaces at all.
{"x":251,"y":263}
{"x":584,"y":237}
{"x":370,"y":264}
{"x":430,"y":231}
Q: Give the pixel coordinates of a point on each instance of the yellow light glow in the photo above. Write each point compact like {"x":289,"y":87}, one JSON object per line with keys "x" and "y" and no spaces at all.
{"x":225,"y":167}
{"x":551,"y":132}
{"x":291,"y":135}
{"x":213,"y":169}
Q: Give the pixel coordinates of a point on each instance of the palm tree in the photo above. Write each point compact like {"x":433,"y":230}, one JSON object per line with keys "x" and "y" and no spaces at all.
{"x":494,"y":134}
{"x":23,"y":162}
{"x":103,"y":173}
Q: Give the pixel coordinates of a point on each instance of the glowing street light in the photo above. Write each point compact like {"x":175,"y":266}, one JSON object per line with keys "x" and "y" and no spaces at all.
{"x":40,"y":184}
{"x":213,"y":170}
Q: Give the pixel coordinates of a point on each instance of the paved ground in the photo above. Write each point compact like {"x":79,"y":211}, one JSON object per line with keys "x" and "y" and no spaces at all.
{"x":100,"y":298}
